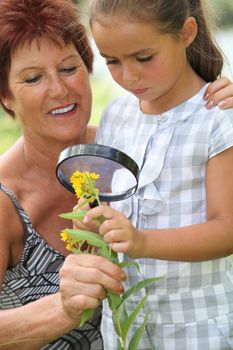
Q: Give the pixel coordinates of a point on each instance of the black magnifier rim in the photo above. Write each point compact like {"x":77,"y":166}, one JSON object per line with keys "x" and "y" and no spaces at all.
{"x":102,"y":151}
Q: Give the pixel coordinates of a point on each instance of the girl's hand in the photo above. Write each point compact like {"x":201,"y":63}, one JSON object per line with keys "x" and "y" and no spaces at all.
{"x":84,"y":279}
{"x":118,"y":231}
{"x":220,"y":93}
{"x":92,"y":226}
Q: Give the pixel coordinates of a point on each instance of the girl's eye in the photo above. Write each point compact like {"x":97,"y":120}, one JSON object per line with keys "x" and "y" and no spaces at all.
{"x":33,"y":80}
{"x":144,"y":59}
{"x":68,"y":70}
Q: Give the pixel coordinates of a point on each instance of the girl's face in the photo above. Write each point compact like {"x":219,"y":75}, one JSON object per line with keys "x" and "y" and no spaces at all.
{"x":50,"y":92}
{"x":149,"y":64}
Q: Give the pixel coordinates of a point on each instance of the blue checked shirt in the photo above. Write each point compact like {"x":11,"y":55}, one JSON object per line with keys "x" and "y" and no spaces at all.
{"x":192,"y":307}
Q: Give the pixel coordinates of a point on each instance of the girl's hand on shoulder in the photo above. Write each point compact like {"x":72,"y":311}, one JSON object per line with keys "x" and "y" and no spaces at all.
{"x":117,"y":230}
{"x":219,"y":93}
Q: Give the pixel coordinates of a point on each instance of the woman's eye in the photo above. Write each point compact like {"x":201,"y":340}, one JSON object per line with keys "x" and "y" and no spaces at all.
{"x":144,"y":59}
{"x":111,"y":61}
{"x":33,"y":80}
{"x":68,"y":70}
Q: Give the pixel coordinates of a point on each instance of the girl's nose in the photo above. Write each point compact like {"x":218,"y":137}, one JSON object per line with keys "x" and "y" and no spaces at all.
{"x":130,"y":73}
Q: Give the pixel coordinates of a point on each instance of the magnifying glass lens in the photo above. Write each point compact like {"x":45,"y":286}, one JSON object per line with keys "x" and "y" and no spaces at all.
{"x":118,"y":173}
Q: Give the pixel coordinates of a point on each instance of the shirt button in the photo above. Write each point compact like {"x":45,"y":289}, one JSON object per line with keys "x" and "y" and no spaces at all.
{"x":162,"y":118}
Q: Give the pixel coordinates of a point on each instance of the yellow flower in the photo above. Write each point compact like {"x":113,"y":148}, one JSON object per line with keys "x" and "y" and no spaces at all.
{"x":69,"y":246}
{"x":66,"y":238}
{"x":81,"y":183}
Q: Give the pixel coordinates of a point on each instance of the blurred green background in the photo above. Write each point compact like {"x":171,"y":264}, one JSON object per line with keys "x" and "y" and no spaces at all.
{"x":104,"y":89}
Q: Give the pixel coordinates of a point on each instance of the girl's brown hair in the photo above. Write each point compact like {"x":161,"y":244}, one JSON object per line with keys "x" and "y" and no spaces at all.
{"x":23,"y":21}
{"x":204,"y":55}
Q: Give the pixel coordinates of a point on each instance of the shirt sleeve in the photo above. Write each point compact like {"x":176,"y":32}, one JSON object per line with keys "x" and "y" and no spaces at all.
{"x":222,"y":133}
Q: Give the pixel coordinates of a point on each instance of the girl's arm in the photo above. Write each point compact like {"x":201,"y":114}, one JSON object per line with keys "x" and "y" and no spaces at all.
{"x":220,"y":93}
{"x":210,"y":240}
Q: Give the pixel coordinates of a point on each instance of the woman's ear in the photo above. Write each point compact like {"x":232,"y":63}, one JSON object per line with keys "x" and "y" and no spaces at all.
{"x":6,"y":103}
{"x":189,"y":31}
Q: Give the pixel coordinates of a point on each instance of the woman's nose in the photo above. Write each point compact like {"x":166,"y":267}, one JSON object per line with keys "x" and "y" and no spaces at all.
{"x":57,"y":88}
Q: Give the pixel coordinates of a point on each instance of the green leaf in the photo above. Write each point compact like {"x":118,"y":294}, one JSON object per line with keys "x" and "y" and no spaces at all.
{"x":140,"y":285}
{"x":92,"y":188}
{"x":78,"y":215}
{"x":132,"y":316}
{"x":86,"y":315}
{"x":129,"y":263}
{"x":133,"y":345}
{"x":119,"y":347}
{"x":123,"y":320}
{"x":93,"y":239}
{"x":114,"y":300}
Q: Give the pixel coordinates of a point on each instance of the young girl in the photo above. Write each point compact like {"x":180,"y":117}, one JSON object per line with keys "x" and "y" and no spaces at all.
{"x":179,"y":224}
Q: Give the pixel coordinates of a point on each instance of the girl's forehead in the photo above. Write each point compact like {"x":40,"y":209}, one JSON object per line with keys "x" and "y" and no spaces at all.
{"x":122,"y":28}
{"x":134,"y":36}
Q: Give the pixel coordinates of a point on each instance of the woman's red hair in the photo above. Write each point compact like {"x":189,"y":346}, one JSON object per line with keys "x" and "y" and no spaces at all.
{"x":23,"y":21}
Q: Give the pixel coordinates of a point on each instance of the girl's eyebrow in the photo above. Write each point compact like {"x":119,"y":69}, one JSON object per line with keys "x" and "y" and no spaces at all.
{"x":143,"y":51}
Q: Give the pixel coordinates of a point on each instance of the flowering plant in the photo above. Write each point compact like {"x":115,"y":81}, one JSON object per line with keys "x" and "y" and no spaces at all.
{"x":78,"y":240}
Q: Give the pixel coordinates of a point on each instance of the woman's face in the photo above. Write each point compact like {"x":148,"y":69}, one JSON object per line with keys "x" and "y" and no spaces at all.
{"x":50,"y":92}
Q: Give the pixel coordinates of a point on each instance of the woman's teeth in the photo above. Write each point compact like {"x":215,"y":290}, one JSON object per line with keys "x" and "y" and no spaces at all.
{"x":63,"y":110}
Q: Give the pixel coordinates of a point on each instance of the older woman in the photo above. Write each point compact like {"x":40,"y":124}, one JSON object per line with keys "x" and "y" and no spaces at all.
{"x":45,"y":61}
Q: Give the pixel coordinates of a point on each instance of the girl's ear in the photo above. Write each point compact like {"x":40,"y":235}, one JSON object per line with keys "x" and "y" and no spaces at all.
{"x":189,"y":31}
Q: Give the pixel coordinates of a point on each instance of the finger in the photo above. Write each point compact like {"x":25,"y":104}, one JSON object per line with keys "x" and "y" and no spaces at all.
{"x":88,"y":260}
{"x":222,"y":94}
{"x":119,"y":247}
{"x":112,"y":224}
{"x":227,"y":103}
{"x":93,"y":275}
{"x":102,"y":210}
{"x":220,"y":101}
{"x":217,"y":85}
{"x":72,"y":286}
{"x":80,"y":205}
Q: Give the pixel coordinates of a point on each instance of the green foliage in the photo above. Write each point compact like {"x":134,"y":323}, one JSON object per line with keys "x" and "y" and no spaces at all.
{"x":224,"y":12}
{"x":80,"y":241}
{"x":9,"y":131}
{"x":121,"y":319}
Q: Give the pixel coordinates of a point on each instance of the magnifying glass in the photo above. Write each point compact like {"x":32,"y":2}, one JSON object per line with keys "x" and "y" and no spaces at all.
{"x":118,"y":173}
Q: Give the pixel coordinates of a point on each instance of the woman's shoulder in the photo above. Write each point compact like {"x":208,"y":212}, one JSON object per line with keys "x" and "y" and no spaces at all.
{"x":11,"y":229}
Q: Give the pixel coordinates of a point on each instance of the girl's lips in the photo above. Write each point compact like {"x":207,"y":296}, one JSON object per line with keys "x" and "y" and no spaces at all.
{"x":139,"y":91}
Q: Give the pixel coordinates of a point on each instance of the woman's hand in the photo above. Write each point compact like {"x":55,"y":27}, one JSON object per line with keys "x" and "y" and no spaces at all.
{"x":219,"y":93}
{"x":118,"y":231}
{"x":84,"y":279}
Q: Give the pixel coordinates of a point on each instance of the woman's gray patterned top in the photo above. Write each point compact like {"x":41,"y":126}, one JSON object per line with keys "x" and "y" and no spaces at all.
{"x":36,"y":276}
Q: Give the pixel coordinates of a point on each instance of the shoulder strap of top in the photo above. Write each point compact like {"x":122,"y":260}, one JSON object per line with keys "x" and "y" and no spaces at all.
{"x":22,"y":214}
